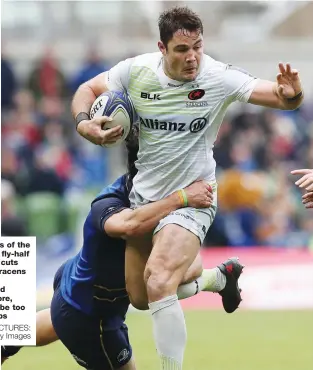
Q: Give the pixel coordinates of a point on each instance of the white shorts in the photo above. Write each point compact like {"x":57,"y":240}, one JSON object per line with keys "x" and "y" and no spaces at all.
{"x":197,"y":221}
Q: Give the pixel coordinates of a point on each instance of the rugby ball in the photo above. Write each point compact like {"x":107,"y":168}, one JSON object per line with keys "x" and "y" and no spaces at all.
{"x":118,"y":106}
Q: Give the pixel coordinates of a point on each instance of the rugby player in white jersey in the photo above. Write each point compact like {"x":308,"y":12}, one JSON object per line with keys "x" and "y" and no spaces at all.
{"x":181,"y":96}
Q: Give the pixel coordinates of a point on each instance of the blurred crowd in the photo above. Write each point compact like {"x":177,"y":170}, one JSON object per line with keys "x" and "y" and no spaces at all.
{"x":42,"y":154}
{"x":44,"y":161}
{"x":259,"y":203}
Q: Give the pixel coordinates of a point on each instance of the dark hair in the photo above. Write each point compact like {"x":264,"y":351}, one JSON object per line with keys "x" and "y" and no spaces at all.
{"x":132,"y":146}
{"x":177,"y":18}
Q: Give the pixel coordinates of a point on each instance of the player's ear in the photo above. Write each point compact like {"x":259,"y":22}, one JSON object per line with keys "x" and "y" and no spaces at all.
{"x":162,"y":47}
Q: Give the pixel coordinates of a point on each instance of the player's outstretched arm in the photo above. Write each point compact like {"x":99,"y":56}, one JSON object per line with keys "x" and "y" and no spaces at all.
{"x":286,"y":93}
{"x":133,"y":223}
{"x":305,"y":182}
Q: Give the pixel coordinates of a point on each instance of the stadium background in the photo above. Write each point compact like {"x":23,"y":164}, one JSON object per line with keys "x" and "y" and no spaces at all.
{"x":50,"y":174}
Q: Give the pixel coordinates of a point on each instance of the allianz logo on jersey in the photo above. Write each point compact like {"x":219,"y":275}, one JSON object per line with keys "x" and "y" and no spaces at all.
{"x":194,"y":126}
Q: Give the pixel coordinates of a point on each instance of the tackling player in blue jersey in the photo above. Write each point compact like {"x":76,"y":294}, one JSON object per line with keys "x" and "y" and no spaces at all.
{"x":90,"y":299}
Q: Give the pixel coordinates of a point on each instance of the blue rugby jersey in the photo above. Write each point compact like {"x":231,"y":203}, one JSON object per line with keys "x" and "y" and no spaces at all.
{"x":94,"y":280}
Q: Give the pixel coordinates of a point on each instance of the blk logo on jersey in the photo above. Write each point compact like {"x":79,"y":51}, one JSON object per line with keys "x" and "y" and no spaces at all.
{"x":197,"y":124}
{"x":149,"y":96}
{"x":196,"y":94}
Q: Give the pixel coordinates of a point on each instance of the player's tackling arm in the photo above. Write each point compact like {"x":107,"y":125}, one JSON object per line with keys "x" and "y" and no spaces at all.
{"x":134,"y":223}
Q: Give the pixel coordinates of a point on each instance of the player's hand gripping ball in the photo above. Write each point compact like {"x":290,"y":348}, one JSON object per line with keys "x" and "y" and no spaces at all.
{"x":118,"y":106}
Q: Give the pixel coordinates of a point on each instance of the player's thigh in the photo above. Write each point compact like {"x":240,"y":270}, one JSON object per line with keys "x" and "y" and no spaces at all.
{"x":136,"y":255}
{"x":177,"y":240}
{"x":92,"y":341}
{"x":174,"y":250}
{"x":95,"y":343}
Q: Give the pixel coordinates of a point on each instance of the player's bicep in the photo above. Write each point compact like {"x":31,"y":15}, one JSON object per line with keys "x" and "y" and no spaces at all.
{"x":98,"y":84}
{"x":264,"y":94}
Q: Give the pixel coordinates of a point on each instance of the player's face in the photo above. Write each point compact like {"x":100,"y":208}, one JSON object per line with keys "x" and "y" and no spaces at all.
{"x":183,"y":55}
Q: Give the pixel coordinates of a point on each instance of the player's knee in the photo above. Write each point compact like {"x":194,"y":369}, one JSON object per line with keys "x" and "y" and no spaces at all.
{"x":158,"y":287}
{"x":161,"y":281}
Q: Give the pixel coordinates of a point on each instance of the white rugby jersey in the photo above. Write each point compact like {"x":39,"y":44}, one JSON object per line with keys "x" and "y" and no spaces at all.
{"x":178,"y":121}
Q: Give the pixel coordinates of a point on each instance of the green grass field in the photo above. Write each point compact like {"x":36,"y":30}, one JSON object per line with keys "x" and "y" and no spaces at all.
{"x":216,"y":341}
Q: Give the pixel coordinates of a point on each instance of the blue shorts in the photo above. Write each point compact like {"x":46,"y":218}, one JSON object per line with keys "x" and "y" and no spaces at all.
{"x":93,"y":345}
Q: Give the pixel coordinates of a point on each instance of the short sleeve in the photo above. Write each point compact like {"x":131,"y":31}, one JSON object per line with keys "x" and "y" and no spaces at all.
{"x":117,"y":78}
{"x":238,"y":84}
{"x":104,"y":208}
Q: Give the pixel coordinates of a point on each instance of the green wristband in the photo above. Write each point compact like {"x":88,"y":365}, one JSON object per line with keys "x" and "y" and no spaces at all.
{"x":184,"y":197}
